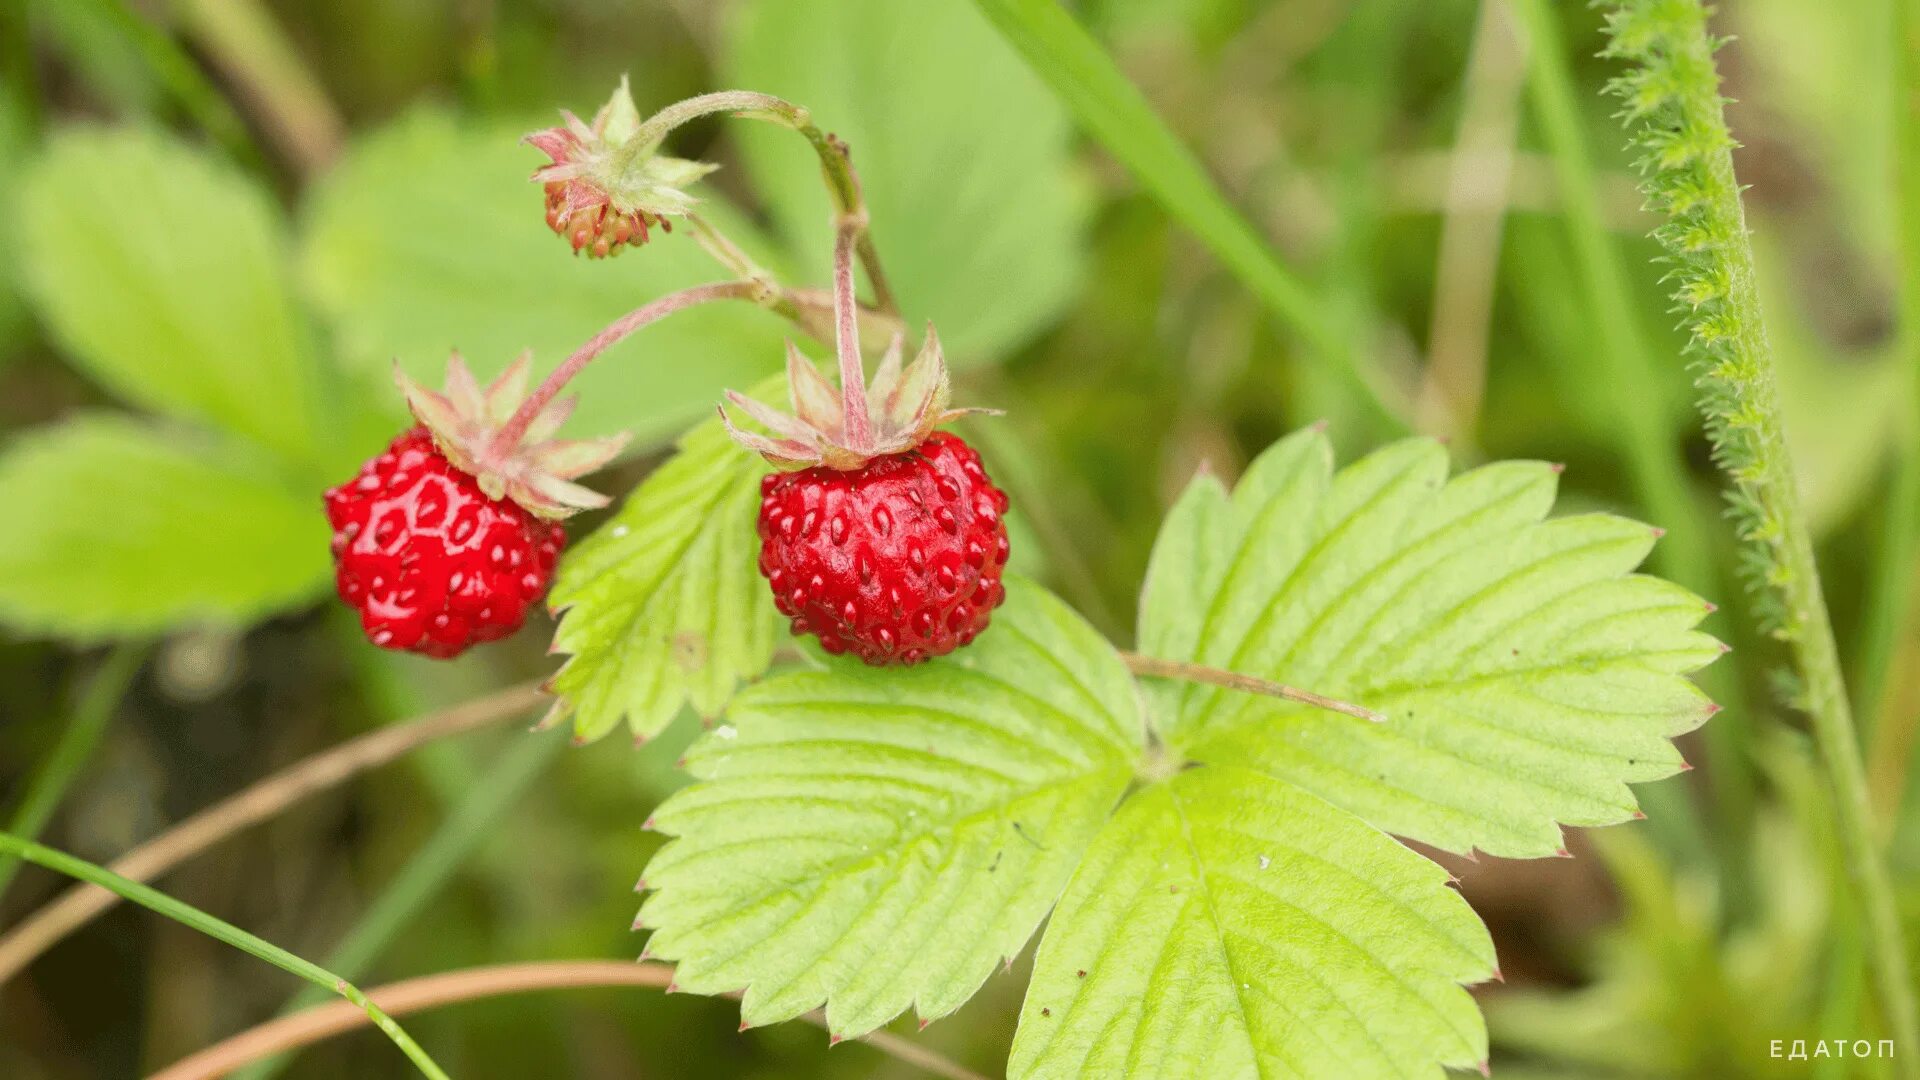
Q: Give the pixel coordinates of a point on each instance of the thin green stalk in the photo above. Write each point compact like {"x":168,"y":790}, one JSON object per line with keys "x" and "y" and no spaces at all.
{"x":427,"y":873}
{"x":188,"y":915}
{"x":1116,"y":114}
{"x":1673,"y":107}
{"x":1640,"y":397}
{"x":80,"y":735}
{"x":1889,"y":591}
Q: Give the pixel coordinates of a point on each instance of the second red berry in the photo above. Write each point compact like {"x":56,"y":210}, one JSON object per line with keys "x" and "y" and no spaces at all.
{"x":895,"y":562}
{"x":432,"y":564}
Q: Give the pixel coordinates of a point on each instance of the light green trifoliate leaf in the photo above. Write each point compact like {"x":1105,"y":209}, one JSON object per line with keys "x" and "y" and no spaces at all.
{"x":880,"y":839}
{"x":1527,"y":673}
{"x":163,"y":274}
{"x":965,"y":158}
{"x":1226,"y":924}
{"x":119,"y":528}
{"x":664,"y":605}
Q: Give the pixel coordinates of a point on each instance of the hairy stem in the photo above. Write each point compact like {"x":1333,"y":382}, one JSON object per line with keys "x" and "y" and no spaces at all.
{"x":836,"y":163}
{"x":1155,"y":667}
{"x":221,"y":930}
{"x":1676,"y":114}
{"x":846,"y":339}
{"x":266,"y":798}
{"x":836,"y":166}
{"x":80,"y":735}
{"x":516,"y":426}
{"x":809,"y":310}
{"x":476,"y":984}
{"x":743,"y":103}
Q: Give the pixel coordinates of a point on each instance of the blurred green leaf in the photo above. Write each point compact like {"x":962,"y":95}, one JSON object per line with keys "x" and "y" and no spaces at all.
{"x":119,"y":528}
{"x":428,"y":237}
{"x":880,"y":839}
{"x":1527,"y":674}
{"x":164,"y":276}
{"x":963,"y":155}
{"x":1229,"y":924}
{"x":663,"y":605}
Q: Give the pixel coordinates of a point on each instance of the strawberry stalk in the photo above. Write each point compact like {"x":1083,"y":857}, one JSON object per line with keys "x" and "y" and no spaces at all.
{"x":509,"y":436}
{"x":836,"y":163}
{"x":846,"y":338}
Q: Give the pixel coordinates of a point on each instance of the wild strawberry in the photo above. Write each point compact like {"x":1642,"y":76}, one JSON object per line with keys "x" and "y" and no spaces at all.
{"x":604,"y":189}
{"x":432,"y":563}
{"x":891,"y":541}
{"x":896,"y":561}
{"x":446,"y":538}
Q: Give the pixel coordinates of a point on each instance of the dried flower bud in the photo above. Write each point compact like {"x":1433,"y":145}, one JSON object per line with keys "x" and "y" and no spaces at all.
{"x":605,"y":190}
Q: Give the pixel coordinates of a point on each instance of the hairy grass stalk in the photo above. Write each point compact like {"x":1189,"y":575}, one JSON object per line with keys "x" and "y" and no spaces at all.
{"x":1673,"y":108}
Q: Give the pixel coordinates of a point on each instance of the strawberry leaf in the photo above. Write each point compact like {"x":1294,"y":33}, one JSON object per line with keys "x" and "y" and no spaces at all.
{"x":117,"y":528}
{"x":1225,"y":923}
{"x":163,"y":275}
{"x":663,"y":606}
{"x":879,"y":839}
{"x":1528,"y":675}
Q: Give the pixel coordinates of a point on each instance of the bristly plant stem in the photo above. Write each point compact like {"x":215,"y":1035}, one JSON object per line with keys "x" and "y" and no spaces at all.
{"x":1676,"y":114}
{"x":190,"y":916}
{"x":80,"y":735}
{"x":1640,"y":394}
{"x":516,"y":426}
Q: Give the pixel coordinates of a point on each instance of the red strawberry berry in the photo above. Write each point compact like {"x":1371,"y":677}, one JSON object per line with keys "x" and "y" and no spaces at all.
{"x":447,"y":537}
{"x":432,"y":563}
{"x":889,"y":541}
{"x":896,"y":561}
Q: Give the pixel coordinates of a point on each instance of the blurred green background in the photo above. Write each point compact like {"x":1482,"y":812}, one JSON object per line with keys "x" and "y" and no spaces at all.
{"x":222,"y":220}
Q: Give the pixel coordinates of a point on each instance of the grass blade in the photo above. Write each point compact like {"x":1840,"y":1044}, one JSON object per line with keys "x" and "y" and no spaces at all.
{"x":449,"y":848}
{"x":78,"y":740}
{"x":1116,"y":114}
{"x":221,"y":930}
